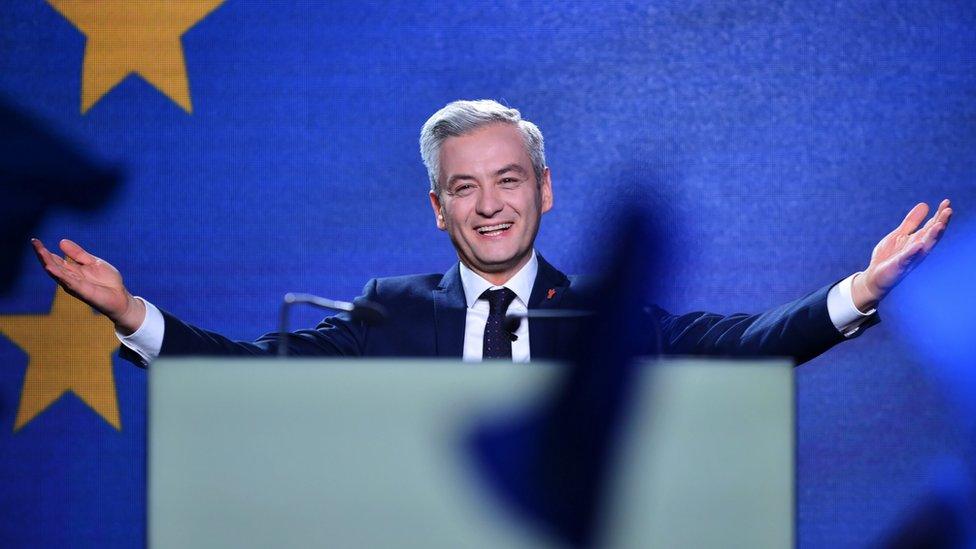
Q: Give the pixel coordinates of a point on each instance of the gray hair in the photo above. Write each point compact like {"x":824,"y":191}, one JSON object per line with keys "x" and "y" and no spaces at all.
{"x":460,"y":117}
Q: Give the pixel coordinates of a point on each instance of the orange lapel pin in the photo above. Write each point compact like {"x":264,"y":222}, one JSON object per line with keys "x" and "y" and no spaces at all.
{"x":550,"y":293}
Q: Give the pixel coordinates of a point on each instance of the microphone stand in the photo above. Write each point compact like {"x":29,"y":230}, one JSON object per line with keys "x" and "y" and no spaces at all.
{"x":366,"y":311}
{"x":514,"y":320}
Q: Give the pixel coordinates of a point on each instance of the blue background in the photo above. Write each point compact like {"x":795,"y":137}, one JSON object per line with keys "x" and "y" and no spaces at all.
{"x":777,"y":142}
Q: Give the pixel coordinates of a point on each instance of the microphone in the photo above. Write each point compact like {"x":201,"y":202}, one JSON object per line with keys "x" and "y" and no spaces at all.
{"x":361,"y":311}
{"x":514,"y":320}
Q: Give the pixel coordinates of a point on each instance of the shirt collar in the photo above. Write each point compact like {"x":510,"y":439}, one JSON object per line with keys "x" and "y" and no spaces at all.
{"x":521,"y":283}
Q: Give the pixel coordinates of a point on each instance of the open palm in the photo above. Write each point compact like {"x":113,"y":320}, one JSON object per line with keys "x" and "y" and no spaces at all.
{"x":90,"y":279}
{"x":898,"y":253}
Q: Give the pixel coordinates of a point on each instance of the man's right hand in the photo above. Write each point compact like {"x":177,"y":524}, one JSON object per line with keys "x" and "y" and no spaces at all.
{"x":94,"y":281}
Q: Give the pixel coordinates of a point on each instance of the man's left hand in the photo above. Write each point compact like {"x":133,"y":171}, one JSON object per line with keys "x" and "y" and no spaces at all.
{"x":898,"y":253}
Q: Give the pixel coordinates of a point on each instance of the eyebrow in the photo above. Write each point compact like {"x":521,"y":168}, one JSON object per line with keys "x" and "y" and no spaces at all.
{"x":509,"y":168}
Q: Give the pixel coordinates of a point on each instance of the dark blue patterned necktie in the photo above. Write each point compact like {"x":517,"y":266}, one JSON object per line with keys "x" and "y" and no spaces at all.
{"x":498,"y":342}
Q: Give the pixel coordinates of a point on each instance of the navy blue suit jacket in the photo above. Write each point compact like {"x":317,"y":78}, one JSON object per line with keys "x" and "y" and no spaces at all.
{"x":427,"y":319}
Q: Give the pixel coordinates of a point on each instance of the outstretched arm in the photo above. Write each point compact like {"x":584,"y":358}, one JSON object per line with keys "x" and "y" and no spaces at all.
{"x":803,"y":329}
{"x":800,"y":329}
{"x":99,"y":284}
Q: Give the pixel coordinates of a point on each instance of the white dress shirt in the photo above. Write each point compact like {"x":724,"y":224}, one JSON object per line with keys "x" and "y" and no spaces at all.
{"x":148,"y":339}
{"x":477,"y":316}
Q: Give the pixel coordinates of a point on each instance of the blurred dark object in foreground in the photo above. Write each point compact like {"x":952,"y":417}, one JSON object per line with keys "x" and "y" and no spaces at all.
{"x":945,"y":518}
{"x":939,"y":322}
{"x":551,"y":464}
{"x":39,"y":172}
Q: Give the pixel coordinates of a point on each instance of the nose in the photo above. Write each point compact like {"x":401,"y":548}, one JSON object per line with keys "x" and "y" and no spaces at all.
{"x":489,"y":202}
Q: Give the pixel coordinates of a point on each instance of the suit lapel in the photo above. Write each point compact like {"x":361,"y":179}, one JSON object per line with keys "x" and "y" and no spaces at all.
{"x":549,"y":289}
{"x":450,"y":310}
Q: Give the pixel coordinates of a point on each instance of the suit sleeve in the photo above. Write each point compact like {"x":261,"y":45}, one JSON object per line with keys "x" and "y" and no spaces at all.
{"x":337,"y":335}
{"x":801,"y":330}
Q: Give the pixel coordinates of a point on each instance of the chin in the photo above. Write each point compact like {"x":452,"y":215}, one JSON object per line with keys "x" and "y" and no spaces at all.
{"x":498,"y":263}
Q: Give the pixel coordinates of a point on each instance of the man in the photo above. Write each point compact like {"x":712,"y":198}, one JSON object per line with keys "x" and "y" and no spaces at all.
{"x":489,"y":187}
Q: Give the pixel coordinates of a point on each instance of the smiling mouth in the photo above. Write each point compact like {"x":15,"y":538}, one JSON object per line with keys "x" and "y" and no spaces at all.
{"x":493,"y":230}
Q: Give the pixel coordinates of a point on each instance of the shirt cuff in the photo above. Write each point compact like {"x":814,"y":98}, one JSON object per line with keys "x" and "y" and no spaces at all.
{"x":845,"y":316}
{"x":148,"y":339}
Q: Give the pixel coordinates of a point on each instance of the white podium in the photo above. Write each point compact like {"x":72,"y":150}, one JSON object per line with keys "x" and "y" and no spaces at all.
{"x":370,"y":453}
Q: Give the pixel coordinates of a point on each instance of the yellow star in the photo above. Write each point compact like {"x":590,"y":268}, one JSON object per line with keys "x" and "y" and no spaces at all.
{"x":70,"y":349}
{"x":140,"y":36}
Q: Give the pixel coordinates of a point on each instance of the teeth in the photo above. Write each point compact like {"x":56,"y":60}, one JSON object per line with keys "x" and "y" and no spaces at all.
{"x":494,"y":229}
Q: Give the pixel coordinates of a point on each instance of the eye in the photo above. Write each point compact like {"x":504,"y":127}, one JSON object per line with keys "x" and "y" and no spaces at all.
{"x":509,"y":182}
{"x":463,"y":189}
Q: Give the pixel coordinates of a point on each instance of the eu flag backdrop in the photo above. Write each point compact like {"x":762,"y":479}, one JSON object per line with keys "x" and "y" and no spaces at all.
{"x":271,"y":146}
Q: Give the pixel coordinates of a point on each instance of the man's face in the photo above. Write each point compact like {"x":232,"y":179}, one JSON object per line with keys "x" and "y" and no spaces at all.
{"x":489,"y":201}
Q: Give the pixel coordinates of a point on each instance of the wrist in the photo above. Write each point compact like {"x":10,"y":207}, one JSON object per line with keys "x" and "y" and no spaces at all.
{"x":865,"y":298}
{"x":133,"y":316}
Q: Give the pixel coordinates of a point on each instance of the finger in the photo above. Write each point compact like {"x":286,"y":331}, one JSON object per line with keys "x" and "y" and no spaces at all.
{"x":914,"y":218}
{"x":935,"y":218}
{"x":39,"y":250}
{"x":945,"y":216}
{"x":943,"y":210}
{"x":911,"y":256}
{"x":52,"y":263}
{"x":932,"y":237}
{"x":941,"y":219}
{"x":942,"y":205}
{"x":76,"y":252}
{"x":924,"y":235}
{"x":46,"y":258}
{"x":70,"y":267}
{"x":61,"y":268}
{"x":940,"y":213}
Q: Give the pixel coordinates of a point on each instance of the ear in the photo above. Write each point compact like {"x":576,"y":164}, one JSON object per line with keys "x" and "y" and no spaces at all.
{"x":435,"y":204}
{"x":545,"y":190}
